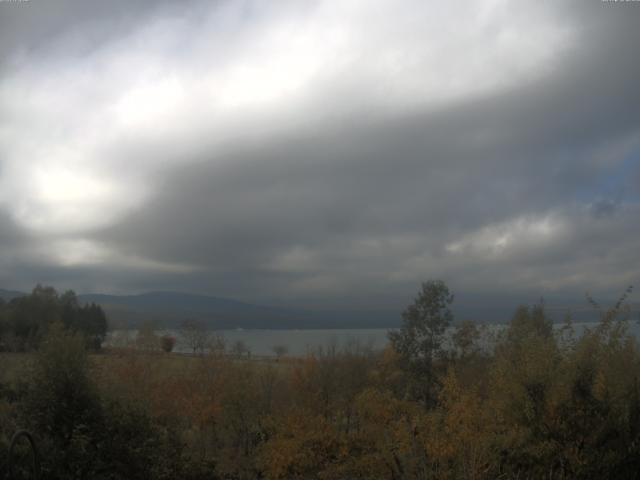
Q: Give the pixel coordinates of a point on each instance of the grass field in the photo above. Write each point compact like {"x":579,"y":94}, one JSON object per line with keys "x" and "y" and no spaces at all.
{"x":114,"y":366}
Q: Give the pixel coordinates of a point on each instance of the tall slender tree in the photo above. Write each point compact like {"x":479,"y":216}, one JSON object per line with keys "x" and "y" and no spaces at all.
{"x":419,"y":340}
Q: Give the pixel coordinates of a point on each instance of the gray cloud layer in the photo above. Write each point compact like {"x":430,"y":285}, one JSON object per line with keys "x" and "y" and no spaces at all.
{"x":320,"y":156}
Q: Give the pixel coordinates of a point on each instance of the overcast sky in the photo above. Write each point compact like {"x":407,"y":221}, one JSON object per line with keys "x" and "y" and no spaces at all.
{"x":320,"y":153}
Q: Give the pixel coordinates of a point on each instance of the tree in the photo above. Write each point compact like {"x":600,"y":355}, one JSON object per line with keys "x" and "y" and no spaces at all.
{"x":167,"y":342}
{"x":465,"y":338}
{"x":94,"y":325}
{"x":530,"y":321}
{"x":217,"y":344}
{"x":62,"y":405}
{"x":195,"y":335}
{"x":239,"y":349}
{"x":419,"y":340}
{"x":147,"y":339}
{"x":4,"y":326}
{"x":29,"y":317}
{"x":85,"y":432}
{"x":280,"y":350}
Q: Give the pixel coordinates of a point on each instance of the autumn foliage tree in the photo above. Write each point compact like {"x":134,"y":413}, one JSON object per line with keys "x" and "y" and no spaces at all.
{"x":167,"y":343}
{"x":419,"y":340}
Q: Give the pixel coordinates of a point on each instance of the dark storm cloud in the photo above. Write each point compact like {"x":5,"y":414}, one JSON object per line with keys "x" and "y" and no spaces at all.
{"x":406,"y":185}
{"x":526,"y":150}
{"x":10,"y":233}
{"x":522,"y":189}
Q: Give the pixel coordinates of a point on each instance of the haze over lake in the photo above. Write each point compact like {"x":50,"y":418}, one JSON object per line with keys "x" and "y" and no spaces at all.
{"x":302,"y":342}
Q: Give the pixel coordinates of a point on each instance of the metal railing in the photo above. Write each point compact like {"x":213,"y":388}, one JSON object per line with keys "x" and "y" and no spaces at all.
{"x":35,"y":460}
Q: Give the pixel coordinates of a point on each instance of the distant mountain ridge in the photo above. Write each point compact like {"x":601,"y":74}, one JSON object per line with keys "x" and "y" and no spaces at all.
{"x":171,"y":308}
{"x":168,"y":309}
{"x":7,"y":295}
{"x":161,"y":300}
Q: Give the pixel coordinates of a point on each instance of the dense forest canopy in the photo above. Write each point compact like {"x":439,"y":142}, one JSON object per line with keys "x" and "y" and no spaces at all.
{"x":25,"y":320}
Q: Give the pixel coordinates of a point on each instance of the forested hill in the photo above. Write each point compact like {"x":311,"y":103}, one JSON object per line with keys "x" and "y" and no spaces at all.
{"x":7,"y":295}
{"x":169,"y":309}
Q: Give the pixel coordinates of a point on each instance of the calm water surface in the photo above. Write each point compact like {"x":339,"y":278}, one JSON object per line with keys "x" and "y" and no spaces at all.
{"x":301,"y":342}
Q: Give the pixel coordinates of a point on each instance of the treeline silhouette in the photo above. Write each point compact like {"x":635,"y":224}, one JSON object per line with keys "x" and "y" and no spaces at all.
{"x":526,"y":402}
{"x":25,"y":320}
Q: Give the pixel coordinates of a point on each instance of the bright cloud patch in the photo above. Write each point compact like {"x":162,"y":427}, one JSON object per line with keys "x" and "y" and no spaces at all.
{"x":169,"y":83}
{"x":510,"y":238}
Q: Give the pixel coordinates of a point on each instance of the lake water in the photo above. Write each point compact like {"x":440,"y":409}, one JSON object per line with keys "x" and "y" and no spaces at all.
{"x":262,"y":342}
{"x":301,"y":342}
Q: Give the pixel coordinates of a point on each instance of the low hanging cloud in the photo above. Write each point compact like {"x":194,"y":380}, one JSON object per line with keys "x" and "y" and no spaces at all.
{"x":320,"y":154}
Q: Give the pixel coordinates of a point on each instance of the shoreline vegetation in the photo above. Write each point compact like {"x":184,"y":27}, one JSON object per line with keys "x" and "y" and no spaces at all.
{"x":542,"y":402}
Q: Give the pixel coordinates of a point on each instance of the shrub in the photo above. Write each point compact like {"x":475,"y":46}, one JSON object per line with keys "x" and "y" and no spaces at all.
{"x":167,"y":342}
